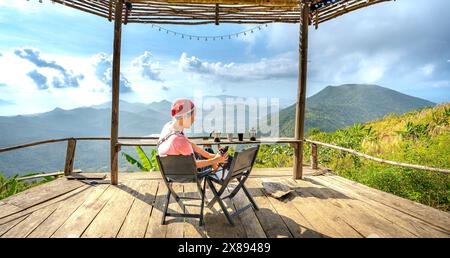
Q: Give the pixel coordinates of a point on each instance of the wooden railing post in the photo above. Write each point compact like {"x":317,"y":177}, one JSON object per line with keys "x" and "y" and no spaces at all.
{"x":70,"y":154}
{"x":314,"y":163}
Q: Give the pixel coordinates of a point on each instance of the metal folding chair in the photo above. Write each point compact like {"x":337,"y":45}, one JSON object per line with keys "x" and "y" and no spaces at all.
{"x":181,"y":169}
{"x":240,"y":169}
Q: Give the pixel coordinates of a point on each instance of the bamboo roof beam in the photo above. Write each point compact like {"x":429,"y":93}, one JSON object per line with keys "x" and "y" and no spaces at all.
{"x":228,"y":11}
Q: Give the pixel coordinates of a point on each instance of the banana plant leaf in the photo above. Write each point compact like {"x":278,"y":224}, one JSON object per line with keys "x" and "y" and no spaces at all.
{"x":144,"y":159}
{"x":133,"y":161}
{"x":154,"y":161}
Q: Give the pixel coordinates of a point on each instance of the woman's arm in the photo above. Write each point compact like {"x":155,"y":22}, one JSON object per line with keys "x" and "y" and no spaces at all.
{"x":211,"y":162}
{"x":201,"y":151}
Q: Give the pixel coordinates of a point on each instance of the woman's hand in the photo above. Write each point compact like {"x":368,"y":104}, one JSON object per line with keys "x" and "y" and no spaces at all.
{"x":219,"y":158}
{"x":215,"y":167}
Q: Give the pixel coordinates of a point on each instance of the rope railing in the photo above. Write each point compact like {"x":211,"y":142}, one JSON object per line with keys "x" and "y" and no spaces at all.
{"x":401,"y":164}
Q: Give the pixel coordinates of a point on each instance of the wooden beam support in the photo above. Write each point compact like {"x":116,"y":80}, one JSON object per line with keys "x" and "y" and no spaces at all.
{"x":301,"y":93}
{"x":70,"y":155}
{"x":115,"y":92}
{"x":314,"y":162}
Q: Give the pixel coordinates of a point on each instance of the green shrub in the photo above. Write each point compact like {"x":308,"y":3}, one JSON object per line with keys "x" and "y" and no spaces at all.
{"x":10,"y":186}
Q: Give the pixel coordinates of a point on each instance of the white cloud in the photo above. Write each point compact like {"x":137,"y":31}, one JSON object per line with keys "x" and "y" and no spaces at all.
{"x":102,"y":64}
{"x":64,"y":78}
{"x":147,"y":68}
{"x":282,"y":66}
{"x":427,"y":69}
{"x":357,"y":67}
{"x":19,"y":87}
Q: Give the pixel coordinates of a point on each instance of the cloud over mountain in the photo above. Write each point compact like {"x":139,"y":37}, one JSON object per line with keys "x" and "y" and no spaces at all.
{"x":103,"y":70}
{"x":267,"y":68}
{"x":39,"y":79}
{"x":147,"y":68}
{"x":64,"y":79}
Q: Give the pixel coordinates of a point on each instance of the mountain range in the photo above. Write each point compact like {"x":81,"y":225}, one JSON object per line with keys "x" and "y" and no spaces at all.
{"x":332,"y":108}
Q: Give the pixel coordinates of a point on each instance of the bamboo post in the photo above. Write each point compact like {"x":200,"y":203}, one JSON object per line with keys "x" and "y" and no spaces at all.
{"x":216,"y":16}
{"x":115,"y":92}
{"x":314,"y":163}
{"x":110,"y":10}
{"x":301,"y":93}
{"x":70,"y":154}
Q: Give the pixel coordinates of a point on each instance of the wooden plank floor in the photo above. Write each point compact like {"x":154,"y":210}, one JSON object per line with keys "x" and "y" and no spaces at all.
{"x":320,"y":206}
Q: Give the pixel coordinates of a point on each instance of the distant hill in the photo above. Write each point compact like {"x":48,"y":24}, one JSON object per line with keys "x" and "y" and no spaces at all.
{"x":339,"y":106}
{"x":162,"y":106}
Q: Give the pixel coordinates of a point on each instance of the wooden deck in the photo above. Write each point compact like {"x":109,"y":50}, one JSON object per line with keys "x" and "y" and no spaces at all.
{"x":321,"y":206}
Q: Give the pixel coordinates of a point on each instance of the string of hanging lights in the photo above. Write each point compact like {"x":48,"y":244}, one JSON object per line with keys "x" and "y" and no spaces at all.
{"x":198,"y":37}
{"x":206,"y":38}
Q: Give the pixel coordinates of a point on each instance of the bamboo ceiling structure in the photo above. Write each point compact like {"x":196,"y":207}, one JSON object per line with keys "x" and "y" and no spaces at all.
{"x":197,"y":12}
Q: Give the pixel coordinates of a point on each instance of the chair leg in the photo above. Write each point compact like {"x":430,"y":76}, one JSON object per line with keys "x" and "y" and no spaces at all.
{"x":216,"y":197}
{"x":175,"y":196}
{"x":220,"y":201}
{"x":166,"y":206}
{"x":238,"y":186}
{"x":203,"y":193}
{"x":250,"y":198}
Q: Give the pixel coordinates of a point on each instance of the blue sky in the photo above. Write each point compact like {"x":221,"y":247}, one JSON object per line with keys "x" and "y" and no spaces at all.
{"x":54,"y":56}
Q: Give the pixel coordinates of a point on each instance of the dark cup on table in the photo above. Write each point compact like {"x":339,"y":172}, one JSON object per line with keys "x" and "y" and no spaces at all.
{"x":240,"y":137}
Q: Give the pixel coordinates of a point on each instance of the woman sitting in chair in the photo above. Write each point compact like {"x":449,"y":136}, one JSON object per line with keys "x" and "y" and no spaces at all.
{"x":172,"y":140}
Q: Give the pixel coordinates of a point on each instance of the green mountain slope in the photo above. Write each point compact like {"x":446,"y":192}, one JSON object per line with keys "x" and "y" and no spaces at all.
{"x":420,"y":137}
{"x":417,"y":137}
{"x":339,"y":106}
